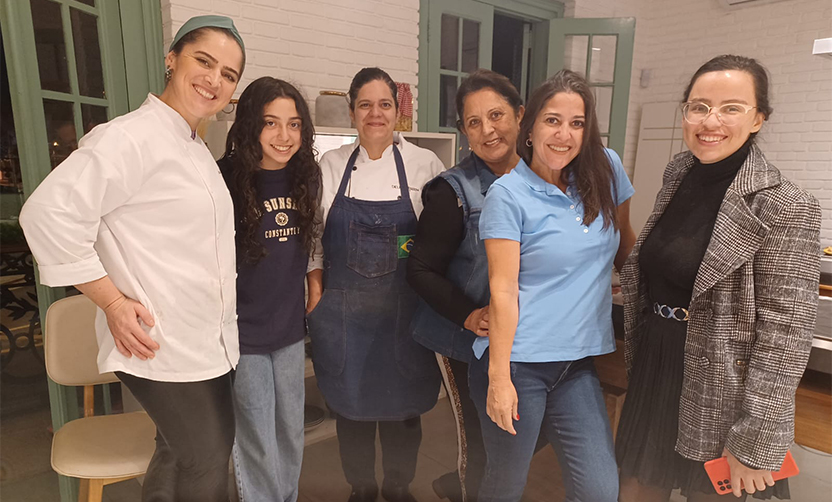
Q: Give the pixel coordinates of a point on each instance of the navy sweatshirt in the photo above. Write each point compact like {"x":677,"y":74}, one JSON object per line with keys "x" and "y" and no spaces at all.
{"x":270,"y":293}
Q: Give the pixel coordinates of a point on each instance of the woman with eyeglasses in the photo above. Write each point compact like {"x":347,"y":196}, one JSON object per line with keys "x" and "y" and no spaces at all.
{"x":720,"y":302}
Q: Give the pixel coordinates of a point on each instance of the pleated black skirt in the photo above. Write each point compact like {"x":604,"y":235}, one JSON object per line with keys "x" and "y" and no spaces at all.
{"x":649,"y":425}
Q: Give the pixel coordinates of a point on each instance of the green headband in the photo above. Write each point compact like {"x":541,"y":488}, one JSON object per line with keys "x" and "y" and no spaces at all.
{"x":198,"y":22}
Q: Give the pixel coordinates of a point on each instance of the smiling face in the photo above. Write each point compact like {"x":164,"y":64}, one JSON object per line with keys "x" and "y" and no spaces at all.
{"x":558,"y":132}
{"x":374,"y":113}
{"x":712,"y":141}
{"x":491,"y":126}
{"x":281,"y":135}
{"x":204,"y":76}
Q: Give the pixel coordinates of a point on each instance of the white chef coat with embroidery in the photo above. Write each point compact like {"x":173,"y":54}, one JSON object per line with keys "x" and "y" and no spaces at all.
{"x":374,"y":180}
{"x":143,"y":201}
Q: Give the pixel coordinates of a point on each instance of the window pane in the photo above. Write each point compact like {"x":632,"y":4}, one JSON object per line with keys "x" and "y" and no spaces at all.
{"x":602,"y":67}
{"x":50,"y":47}
{"x":91,"y":3}
{"x":447,"y":95}
{"x":87,"y":53}
{"x":603,"y":107}
{"x":60,"y":129}
{"x":470,"y":45}
{"x":449,"y":58}
{"x":92,"y":116}
{"x":605,"y":140}
{"x":575,"y":57}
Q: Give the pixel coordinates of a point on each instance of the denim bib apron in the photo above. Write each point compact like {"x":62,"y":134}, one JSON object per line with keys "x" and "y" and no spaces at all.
{"x":367,"y":365}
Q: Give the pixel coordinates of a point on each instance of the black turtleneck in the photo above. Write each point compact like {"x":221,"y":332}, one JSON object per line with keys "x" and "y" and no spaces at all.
{"x":671,"y":254}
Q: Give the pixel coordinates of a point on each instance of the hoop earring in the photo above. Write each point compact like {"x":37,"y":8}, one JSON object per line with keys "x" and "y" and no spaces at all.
{"x":529,"y":142}
{"x":168,"y":73}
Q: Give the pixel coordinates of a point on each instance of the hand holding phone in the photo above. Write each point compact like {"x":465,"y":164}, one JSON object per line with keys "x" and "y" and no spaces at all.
{"x":720,"y":473}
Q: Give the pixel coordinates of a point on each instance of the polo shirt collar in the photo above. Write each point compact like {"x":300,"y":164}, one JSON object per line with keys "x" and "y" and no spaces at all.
{"x":534,"y":181}
{"x":177,"y":122}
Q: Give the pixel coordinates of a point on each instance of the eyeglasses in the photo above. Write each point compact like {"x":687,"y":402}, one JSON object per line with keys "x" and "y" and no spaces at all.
{"x":729,"y":114}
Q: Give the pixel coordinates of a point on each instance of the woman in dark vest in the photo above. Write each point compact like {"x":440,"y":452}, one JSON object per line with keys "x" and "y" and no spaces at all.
{"x":448,"y":267}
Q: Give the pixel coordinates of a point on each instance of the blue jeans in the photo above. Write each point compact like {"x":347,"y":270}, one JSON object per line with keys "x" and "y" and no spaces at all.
{"x":564,"y":400}
{"x":268,"y":404}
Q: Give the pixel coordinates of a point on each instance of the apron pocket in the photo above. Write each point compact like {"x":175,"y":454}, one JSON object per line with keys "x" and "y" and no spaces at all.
{"x":372,"y":249}
{"x":413,"y":360}
{"x":327,"y":329}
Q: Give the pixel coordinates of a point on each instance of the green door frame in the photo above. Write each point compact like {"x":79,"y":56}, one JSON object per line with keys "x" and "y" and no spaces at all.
{"x":131,"y":55}
{"x":624,"y":30}
{"x":464,"y":9}
{"x":538,"y":12}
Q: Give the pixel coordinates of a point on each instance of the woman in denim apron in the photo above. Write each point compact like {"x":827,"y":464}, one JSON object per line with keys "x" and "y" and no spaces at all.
{"x":368,"y":367}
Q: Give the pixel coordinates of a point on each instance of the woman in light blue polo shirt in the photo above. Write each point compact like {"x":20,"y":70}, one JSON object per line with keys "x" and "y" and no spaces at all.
{"x":553,"y":228}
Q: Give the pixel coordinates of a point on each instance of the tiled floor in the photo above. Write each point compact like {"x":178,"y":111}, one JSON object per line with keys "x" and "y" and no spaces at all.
{"x":27,"y":477}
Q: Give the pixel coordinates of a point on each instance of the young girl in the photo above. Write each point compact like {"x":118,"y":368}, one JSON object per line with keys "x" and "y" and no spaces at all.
{"x":271,"y":172}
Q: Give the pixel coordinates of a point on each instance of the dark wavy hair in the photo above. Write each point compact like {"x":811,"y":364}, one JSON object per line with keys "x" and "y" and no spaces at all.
{"x":243,"y":150}
{"x":591,"y":170}
{"x":758,"y":73}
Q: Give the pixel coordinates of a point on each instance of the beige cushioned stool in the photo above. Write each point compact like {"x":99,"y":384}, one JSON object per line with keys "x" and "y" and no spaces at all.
{"x":97,"y":450}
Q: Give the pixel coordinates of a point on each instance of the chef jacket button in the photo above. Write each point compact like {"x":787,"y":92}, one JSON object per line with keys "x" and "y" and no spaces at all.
{"x":586,"y":230}
{"x":355,"y":168}
{"x":577,"y":218}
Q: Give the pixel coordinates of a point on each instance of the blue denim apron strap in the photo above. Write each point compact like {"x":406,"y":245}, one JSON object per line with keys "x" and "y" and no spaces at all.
{"x":405,"y":195}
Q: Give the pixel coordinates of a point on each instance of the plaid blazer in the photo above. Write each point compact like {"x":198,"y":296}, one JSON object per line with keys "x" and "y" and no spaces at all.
{"x":752,"y":314}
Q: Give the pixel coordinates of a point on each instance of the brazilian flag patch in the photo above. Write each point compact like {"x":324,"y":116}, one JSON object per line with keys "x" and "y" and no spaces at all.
{"x":405,"y":244}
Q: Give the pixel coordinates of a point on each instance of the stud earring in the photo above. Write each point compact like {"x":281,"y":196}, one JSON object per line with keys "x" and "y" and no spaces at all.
{"x":529,"y":142}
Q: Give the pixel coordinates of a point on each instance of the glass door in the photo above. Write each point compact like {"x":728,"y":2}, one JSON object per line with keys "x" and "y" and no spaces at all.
{"x":66,"y":73}
{"x":602,"y":50}
{"x":460,"y":33}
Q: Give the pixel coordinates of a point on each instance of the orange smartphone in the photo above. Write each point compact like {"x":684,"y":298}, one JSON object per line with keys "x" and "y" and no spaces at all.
{"x":720,"y":473}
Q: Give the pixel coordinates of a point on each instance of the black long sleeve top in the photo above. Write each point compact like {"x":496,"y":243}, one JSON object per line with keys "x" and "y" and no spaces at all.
{"x":671,"y":254}
{"x":440,"y":231}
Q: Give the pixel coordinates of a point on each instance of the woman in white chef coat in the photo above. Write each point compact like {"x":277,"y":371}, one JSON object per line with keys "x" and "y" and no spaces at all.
{"x":370,"y":371}
{"x":139,"y":219}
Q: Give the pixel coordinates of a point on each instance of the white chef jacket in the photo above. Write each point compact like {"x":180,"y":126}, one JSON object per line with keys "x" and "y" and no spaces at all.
{"x":143,"y":201}
{"x":375,"y":180}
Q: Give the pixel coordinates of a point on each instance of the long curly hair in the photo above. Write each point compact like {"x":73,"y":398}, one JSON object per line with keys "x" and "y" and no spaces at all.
{"x":592,"y":170}
{"x":243,"y":149}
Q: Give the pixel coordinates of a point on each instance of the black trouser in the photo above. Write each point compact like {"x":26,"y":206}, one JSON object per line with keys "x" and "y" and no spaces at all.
{"x":400,"y":442}
{"x":194,"y":435}
{"x":475,"y":457}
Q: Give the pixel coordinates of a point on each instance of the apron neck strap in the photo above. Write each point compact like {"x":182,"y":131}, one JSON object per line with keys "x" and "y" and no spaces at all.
{"x":405,"y":191}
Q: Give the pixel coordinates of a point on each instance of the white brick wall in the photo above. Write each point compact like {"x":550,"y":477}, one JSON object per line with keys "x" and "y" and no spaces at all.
{"x":315,"y":44}
{"x":674,"y":38}
{"x":320,"y":44}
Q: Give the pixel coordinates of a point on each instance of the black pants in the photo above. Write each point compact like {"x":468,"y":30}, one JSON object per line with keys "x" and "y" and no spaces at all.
{"x":194,"y":435}
{"x":475,"y":449}
{"x":400,"y":442}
